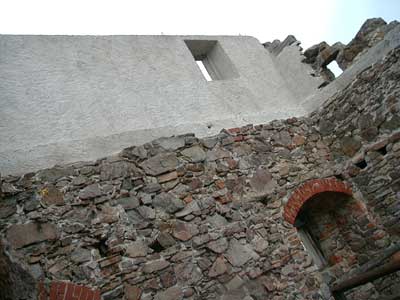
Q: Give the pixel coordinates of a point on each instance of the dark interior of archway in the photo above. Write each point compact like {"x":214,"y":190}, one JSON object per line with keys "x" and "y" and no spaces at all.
{"x":329,"y":221}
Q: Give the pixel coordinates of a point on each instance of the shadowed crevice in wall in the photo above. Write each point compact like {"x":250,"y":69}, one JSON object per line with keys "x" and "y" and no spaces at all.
{"x":15,"y":282}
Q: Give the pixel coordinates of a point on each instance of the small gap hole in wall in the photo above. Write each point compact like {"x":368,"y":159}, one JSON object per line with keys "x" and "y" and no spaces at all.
{"x":156,"y":246}
{"x":334,"y":68}
{"x":362,"y":164}
{"x":102,"y":247}
{"x":204,"y":70}
{"x":382,"y":150}
{"x":339,"y":176}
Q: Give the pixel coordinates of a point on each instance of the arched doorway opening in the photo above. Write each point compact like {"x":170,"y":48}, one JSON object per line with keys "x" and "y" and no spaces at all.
{"x":342,"y":238}
{"x":327,"y":225}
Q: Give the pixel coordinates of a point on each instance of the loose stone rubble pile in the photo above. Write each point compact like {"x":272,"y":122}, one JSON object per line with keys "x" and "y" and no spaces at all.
{"x":191,"y":218}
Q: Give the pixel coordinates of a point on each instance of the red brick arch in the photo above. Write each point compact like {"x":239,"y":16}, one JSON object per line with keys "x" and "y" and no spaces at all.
{"x":65,"y":290}
{"x":308,"y":190}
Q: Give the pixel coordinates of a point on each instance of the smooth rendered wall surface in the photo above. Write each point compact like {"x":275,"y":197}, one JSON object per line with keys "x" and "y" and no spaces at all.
{"x":71,"y":98}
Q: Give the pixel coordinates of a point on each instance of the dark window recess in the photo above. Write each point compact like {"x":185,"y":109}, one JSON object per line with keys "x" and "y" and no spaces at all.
{"x":382,"y":150}
{"x":362,"y":164}
{"x":310,"y":241}
{"x":212,"y":60}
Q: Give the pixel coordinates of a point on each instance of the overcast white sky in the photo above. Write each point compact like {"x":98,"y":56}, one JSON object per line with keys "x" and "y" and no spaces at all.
{"x":311,"y":21}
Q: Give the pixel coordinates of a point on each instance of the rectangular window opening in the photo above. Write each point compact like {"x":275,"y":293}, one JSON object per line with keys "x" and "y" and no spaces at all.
{"x":212,"y":60}
{"x":203,"y":70}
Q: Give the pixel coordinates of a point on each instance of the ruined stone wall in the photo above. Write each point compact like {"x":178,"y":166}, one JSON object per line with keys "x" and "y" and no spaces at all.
{"x":193,"y":218}
{"x":361,"y":127}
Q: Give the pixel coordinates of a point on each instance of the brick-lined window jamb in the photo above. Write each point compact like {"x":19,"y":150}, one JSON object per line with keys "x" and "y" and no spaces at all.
{"x":309,"y":189}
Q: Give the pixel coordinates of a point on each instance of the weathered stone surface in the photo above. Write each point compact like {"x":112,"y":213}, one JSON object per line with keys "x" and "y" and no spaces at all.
{"x":146,"y":212}
{"x":371,"y":32}
{"x":218,"y":268}
{"x":52,"y":196}
{"x":168,"y":278}
{"x":136,"y":249}
{"x":53,"y":174}
{"x":155,"y":266}
{"x":134,"y":153}
{"x":81,"y":255}
{"x":218,"y":246}
{"x":282,"y":138}
{"x":109,"y":171}
{"x":326,"y":127}
{"x":259,"y":244}
{"x":235,"y":283}
{"x":132,"y":292}
{"x":107,"y":215}
{"x":113,"y":294}
{"x":110,"y":260}
{"x":90,"y":192}
{"x":184,"y":231}
{"x":188,"y":273}
{"x":9,"y":189}
{"x":262,"y":181}
{"x":8,"y":207}
{"x":167,"y":177}
{"x":195,"y":154}
{"x":217,"y":221}
{"x":238,"y":254}
{"x":391,"y":123}
{"x":168,"y":202}
{"x":166,"y":240}
{"x":152,"y":187}
{"x":21,"y":235}
{"x":160,"y":164}
{"x":350,"y":145}
{"x":192,"y":207}
{"x":80,"y":180}
{"x":73,"y":228}
{"x":128,"y":203}
{"x":277,"y":46}
{"x":209,"y":142}
{"x":172,"y":293}
{"x":298,"y":140}
{"x":216,"y":154}
{"x":134,"y":217}
{"x":170,"y":143}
